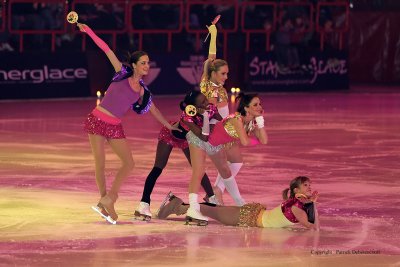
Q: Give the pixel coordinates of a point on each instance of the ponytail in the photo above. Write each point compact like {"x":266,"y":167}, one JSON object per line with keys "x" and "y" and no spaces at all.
{"x":285,"y":194}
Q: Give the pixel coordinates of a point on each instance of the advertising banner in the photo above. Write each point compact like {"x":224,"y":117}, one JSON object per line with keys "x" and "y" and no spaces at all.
{"x":43,"y":75}
{"x":318,"y":71}
{"x":174,"y":73}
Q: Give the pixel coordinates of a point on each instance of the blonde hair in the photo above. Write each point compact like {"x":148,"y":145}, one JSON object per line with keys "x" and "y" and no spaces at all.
{"x":215,"y":65}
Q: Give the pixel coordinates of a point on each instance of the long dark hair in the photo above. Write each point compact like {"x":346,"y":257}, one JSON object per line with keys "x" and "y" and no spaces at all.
{"x":190,"y":99}
{"x":295,"y":183}
{"x":244,"y":101}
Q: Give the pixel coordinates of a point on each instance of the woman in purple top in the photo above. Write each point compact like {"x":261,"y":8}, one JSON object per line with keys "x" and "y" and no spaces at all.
{"x":126,"y":91}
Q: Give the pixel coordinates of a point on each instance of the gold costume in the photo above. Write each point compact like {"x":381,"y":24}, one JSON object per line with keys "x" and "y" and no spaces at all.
{"x":250,"y":216}
{"x":212,"y":90}
{"x":229,"y":128}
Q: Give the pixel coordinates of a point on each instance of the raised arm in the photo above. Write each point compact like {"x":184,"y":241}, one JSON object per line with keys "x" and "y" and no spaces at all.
{"x":212,"y":51}
{"x":102,"y":45}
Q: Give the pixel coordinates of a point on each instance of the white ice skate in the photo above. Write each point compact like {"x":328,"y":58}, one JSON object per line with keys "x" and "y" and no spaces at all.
{"x":106,"y":217}
{"x":212,"y":200}
{"x":143,"y":212}
{"x":194,"y":217}
{"x":218,"y":195}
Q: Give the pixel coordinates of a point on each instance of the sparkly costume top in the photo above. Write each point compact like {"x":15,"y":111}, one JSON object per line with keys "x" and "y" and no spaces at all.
{"x":119,"y":96}
{"x":224,"y":132}
{"x":197,"y":119}
{"x":286,"y":208}
{"x":212,"y":90}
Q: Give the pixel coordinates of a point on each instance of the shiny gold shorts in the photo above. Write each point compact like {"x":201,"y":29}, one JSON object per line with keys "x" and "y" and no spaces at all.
{"x":249,"y":214}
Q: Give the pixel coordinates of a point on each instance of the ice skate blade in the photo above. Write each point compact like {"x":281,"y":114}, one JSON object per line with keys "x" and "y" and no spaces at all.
{"x":107,"y":218}
{"x":141,"y":217}
{"x":193,"y":221}
{"x":166,"y":199}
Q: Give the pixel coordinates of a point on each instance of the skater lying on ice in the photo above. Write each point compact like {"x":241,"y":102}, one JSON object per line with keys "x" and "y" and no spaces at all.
{"x":299,"y":207}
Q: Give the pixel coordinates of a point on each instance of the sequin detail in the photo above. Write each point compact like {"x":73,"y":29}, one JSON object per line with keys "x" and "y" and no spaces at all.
{"x":146,"y":100}
{"x":211,"y":90}
{"x":124,"y":73}
{"x":249,"y":214}
{"x":212,"y":110}
{"x":229,"y":128}
{"x":198,"y":119}
{"x":286,"y":208}
{"x":96,"y":126}
{"x":166,"y":136}
{"x":207,"y":147}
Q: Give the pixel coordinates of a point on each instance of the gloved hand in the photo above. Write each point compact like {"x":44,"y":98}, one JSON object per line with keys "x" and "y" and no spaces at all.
{"x":260,"y":122}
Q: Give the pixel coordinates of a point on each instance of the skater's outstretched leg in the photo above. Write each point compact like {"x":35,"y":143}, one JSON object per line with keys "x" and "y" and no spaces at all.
{"x":223,"y":214}
{"x":228,"y":215}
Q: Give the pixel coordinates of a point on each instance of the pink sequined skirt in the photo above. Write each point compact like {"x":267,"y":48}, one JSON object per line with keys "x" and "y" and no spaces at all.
{"x":167,"y":137}
{"x":99,"y":123}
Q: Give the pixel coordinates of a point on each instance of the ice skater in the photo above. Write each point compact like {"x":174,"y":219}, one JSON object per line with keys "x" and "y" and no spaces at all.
{"x":246,"y":126}
{"x":299,"y":206}
{"x":167,"y":140}
{"x":127,"y":91}
{"x":212,"y":83}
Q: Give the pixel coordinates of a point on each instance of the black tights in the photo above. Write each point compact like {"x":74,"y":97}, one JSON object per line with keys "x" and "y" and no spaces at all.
{"x":162,"y":156}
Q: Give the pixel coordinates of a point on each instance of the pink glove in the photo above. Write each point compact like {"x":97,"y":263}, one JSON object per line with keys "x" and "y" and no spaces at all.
{"x":100,"y":43}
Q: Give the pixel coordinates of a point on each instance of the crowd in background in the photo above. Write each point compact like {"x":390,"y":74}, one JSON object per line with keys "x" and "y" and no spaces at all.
{"x":295,"y":26}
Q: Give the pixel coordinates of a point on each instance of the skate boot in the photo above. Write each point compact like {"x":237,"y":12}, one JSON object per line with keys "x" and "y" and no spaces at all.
{"x":218,"y":195}
{"x":167,"y":198}
{"x":107,"y":203}
{"x":172,"y":205}
{"x":194,"y":217}
{"x":103,"y":213}
{"x":143,"y":212}
{"x":212,"y":200}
